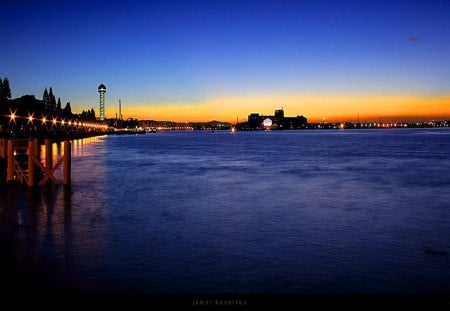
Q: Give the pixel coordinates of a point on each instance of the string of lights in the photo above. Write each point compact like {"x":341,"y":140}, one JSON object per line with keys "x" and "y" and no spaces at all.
{"x":53,"y":121}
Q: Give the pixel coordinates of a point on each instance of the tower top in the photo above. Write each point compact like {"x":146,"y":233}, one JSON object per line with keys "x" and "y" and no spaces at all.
{"x":102,"y":88}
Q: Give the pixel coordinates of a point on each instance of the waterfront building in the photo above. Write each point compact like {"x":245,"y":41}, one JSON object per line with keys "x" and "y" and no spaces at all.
{"x":277,"y":121}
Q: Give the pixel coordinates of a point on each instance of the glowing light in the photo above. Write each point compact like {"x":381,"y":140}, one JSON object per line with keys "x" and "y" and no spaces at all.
{"x":267,"y":122}
{"x":54,"y":121}
{"x":12,"y":117}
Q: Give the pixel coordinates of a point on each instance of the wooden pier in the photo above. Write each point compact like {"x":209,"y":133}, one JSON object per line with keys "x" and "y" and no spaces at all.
{"x":24,"y":166}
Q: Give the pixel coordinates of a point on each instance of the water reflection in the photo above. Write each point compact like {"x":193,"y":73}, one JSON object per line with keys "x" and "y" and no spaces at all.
{"x":36,"y":224}
{"x":198,"y":212}
{"x":80,"y":147}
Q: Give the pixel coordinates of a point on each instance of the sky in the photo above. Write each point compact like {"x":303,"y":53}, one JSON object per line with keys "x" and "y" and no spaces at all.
{"x":222,"y":60}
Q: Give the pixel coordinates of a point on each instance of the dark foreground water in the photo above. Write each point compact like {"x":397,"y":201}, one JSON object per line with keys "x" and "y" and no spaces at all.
{"x":301,"y":212}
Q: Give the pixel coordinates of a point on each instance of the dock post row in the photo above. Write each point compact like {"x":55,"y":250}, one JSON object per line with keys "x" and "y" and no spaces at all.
{"x":33,"y":172}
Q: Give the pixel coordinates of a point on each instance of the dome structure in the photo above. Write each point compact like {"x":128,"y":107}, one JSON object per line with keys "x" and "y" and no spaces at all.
{"x":267,"y":122}
{"x":102,"y":88}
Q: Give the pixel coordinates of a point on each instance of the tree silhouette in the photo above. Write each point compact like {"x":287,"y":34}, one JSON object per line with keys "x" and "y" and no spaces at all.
{"x":45,"y":99}
{"x":67,"y":111}
{"x":52,"y":101}
{"x":5,"y":91}
{"x":58,"y":106}
{"x":92,"y":114}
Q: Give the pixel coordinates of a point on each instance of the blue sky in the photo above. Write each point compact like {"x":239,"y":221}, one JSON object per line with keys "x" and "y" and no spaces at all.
{"x":159,"y":53}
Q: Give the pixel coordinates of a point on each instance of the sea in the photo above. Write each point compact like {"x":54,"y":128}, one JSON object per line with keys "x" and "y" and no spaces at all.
{"x":307,"y":212}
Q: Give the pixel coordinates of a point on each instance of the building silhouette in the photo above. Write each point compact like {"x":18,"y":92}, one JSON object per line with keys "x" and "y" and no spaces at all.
{"x":277,"y":121}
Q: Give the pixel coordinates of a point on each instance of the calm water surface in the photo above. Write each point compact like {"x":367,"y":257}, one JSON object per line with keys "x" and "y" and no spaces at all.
{"x":349,"y":211}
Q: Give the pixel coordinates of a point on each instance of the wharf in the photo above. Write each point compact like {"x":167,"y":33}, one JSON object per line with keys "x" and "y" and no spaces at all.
{"x":21,"y":161}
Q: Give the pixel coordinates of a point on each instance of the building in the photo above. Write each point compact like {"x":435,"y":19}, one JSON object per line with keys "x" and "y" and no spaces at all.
{"x":102,"y":91}
{"x":276,"y":122}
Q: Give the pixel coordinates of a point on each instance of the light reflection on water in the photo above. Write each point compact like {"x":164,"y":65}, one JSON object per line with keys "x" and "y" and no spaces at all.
{"x":308,"y":211}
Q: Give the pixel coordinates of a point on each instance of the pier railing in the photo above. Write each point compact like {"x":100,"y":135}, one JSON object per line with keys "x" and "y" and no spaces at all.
{"x":23,"y":163}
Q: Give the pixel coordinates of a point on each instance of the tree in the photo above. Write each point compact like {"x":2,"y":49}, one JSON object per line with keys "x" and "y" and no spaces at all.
{"x":67,"y":111}
{"x":5,"y":91}
{"x":58,"y":106}
{"x":52,"y":101}
{"x":46,"y":100}
{"x":92,"y":114}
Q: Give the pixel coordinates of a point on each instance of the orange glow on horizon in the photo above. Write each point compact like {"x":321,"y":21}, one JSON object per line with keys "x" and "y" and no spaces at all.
{"x":317,"y":108}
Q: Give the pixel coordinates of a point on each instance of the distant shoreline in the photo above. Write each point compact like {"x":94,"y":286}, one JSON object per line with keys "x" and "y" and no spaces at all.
{"x":61,"y":136}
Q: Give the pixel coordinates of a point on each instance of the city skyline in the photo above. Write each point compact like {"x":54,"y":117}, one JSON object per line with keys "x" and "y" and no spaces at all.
{"x":199,"y":61}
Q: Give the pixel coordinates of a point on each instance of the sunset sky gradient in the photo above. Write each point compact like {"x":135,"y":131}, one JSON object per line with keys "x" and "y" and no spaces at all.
{"x":222,"y":60}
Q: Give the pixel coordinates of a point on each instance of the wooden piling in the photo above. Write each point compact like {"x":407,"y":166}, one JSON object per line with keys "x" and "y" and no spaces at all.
{"x":48,"y":154}
{"x":3,"y":148}
{"x":31,"y":151}
{"x":15,"y":172}
{"x":36,"y":147}
{"x":10,"y":161}
{"x":67,"y":162}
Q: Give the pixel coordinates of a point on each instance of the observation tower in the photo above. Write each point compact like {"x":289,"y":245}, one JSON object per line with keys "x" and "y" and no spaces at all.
{"x":102,"y":91}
